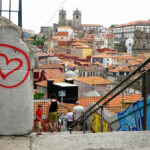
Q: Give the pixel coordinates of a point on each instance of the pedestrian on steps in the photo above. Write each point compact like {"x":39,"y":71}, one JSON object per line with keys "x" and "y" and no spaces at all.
{"x":52,"y":112}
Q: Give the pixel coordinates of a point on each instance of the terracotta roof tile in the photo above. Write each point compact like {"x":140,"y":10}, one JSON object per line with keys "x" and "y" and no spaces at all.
{"x":51,"y":66}
{"x":45,"y":107}
{"x":114,"y":105}
{"x":94,"y":80}
{"x":53,"y":73}
{"x":102,"y":56}
{"x":133,"y":23}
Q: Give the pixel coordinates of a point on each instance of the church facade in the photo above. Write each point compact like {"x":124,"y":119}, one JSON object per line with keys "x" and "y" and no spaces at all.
{"x":75,"y":22}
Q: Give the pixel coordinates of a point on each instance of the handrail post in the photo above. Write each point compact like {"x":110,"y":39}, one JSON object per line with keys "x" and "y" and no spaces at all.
{"x":83,"y":123}
{"x":102,"y":119}
{"x":144,"y":95}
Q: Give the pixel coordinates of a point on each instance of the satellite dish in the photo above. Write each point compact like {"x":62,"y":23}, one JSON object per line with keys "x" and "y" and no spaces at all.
{"x":129,"y":44}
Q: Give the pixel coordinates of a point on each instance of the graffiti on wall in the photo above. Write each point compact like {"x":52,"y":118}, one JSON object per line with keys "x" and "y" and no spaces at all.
{"x":96,"y":124}
{"x":131,"y":119}
{"x":8,"y":61}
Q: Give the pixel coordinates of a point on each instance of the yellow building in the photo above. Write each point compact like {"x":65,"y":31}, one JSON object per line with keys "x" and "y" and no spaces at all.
{"x":81,"y":50}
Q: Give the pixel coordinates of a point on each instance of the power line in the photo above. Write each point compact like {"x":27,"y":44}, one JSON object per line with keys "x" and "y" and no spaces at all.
{"x":55,"y":12}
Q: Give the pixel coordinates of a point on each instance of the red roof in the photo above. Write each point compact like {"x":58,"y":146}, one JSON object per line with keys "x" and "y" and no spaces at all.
{"x":51,"y":66}
{"x":114,"y":106}
{"x":53,"y":73}
{"x":133,"y":23}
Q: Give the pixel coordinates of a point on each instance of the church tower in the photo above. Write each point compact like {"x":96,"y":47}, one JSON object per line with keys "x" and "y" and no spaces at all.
{"x":77,"y":20}
{"x":62,"y":18}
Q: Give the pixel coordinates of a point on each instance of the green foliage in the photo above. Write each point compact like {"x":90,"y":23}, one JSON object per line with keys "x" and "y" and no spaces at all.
{"x":34,"y":37}
{"x":39,"y":42}
{"x":113,"y":25}
{"x":38,"y":95}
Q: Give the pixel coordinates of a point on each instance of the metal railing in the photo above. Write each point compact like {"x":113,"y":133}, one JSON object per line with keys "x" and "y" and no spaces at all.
{"x":110,"y":95}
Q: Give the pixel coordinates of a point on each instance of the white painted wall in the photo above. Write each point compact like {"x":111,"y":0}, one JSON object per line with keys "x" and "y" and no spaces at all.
{"x":70,"y":31}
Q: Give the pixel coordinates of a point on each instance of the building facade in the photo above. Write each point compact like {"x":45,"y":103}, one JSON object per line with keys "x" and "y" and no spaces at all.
{"x":75,"y":22}
{"x":124,"y":31}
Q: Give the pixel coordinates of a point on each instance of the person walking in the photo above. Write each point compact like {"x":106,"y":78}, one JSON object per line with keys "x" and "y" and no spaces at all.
{"x":78,"y":111}
{"x":39,"y":113}
{"x":52,"y":113}
{"x":69,"y":118}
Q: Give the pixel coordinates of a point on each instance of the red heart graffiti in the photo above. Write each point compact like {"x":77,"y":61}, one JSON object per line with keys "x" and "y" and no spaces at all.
{"x":4,"y":76}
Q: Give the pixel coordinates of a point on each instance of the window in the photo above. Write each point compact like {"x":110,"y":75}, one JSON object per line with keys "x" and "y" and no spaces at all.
{"x":88,"y":74}
{"x":83,"y":74}
{"x":114,"y":74}
{"x":77,"y":16}
{"x":121,"y":73}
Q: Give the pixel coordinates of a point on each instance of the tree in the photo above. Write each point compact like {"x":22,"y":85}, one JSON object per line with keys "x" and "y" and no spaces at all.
{"x":39,"y":42}
{"x":113,"y":25}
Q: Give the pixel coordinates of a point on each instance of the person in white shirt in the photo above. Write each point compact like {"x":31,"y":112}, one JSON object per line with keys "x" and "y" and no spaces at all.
{"x":77,"y":112}
{"x":69,"y":118}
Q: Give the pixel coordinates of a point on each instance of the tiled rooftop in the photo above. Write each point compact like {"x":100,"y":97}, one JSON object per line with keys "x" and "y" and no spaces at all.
{"x":53,"y":73}
{"x":51,"y":66}
{"x":114,"y":106}
{"x":102,"y":56}
{"x":133,"y":23}
{"x":45,"y":107}
{"x":96,"y":80}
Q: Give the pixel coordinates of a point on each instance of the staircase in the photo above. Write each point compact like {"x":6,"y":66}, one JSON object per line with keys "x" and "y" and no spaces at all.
{"x":78,"y":141}
{"x":142,"y":72}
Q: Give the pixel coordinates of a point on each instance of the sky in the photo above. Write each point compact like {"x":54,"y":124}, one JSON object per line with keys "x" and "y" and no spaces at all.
{"x":37,"y":13}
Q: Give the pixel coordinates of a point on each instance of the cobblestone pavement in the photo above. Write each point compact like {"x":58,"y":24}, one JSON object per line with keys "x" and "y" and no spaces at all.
{"x":79,"y":141}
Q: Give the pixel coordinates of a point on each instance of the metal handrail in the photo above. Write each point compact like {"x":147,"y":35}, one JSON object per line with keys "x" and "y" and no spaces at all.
{"x":88,"y":113}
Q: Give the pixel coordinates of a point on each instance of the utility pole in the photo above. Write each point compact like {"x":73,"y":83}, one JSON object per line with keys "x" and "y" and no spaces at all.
{"x":9,"y":9}
{"x":20,"y":14}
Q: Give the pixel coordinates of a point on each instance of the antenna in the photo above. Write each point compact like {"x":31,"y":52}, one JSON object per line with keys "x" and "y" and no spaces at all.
{"x":12,"y":11}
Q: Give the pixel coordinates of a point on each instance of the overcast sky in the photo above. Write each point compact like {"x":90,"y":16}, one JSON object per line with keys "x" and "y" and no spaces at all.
{"x":37,"y":13}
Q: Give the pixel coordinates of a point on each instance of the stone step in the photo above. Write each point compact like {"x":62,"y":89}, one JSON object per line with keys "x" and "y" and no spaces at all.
{"x":137,"y":140}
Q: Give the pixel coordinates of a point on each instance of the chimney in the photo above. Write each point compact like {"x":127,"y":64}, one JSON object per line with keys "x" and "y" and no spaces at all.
{"x":71,"y":81}
{"x":49,"y":87}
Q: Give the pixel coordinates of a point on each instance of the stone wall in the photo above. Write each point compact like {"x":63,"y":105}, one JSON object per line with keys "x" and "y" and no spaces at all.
{"x":16,"y":89}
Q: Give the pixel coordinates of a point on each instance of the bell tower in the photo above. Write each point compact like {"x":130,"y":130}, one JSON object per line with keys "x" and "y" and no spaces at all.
{"x":77,"y":19}
{"x":62,"y":18}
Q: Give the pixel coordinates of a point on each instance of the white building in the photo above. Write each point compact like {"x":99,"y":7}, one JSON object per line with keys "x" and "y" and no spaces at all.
{"x":67,"y":29}
{"x":95,"y":28}
{"x":127,"y":30}
{"x":104,"y":59}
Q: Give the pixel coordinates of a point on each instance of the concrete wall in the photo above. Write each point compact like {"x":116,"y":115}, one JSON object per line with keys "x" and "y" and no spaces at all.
{"x":16,"y":91}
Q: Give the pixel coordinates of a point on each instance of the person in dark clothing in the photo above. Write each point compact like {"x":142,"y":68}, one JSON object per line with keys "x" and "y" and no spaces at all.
{"x":52,"y":113}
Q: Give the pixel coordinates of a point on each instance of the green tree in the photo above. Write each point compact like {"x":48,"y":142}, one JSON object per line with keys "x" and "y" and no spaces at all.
{"x":39,"y":42}
{"x":113,"y":25}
